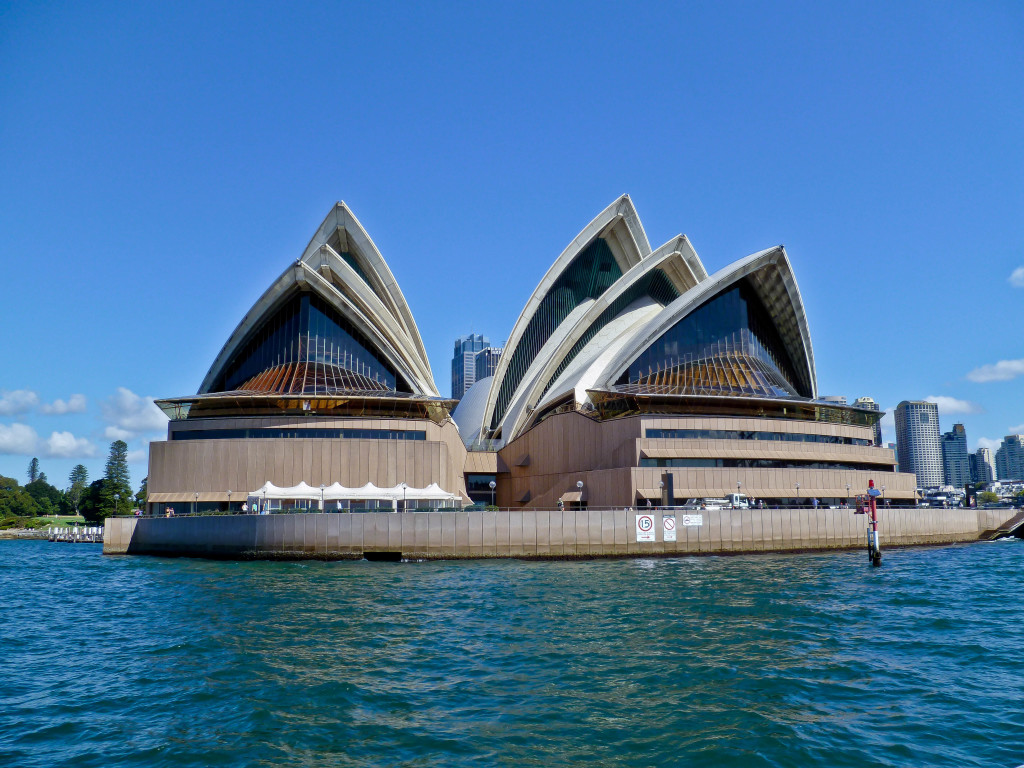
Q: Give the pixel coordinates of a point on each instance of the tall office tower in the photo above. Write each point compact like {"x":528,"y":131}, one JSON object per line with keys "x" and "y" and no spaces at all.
{"x":956,"y":467}
{"x":1010,"y":458}
{"x":896,"y":453}
{"x":917,"y":434}
{"x":983,"y":468}
{"x":487,"y":362}
{"x":869,"y":404}
{"x":464,"y":363}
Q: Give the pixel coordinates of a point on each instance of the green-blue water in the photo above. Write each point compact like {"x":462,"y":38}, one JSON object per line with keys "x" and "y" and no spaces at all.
{"x":806,"y":660}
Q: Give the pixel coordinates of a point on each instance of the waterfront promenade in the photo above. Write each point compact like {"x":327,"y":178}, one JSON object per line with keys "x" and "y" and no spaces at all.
{"x":537,"y":534}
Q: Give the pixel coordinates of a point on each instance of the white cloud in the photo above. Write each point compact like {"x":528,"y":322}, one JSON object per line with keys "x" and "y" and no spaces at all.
{"x":74,"y":404}
{"x":137,"y":457}
{"x":65,"y":445}
{"x":1017,"y":430}
{"x":116,"y":433}
{"x":952,"y":405}
{"x":17,"y":401}
{"x":984,"y":442}
{"x":1004,"y":370}
{"x":18,"y":439}
{"x":1017,"y":277}
{"x":132,"y":414}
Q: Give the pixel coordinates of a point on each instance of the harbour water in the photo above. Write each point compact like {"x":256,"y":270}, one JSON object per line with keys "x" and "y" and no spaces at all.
{"x":774,"y":660}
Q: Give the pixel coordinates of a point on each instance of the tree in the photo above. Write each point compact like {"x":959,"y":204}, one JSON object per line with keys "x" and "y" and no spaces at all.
{"x":987,"y":497}
{"x":117,"y":488}
{"x":14,"y":501}
{"x":33,"y":470}
{"x":78,"y":483}
{"x":96,"y":504}
{"x":45,"y":496}
{"x":140,"y":497}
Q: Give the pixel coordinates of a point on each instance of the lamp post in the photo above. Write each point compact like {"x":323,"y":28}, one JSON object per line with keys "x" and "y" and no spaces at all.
{"x":847,"y":495}
{"x":798,"y":494}
{"x":661,"y":489}
{"x":195,"y":505}
{"x":322,"y":497}
{"x":883,"y":495}
{"x":404,"y":502}
{"x":492,"y":485}
{"x":264,"y":507}
{"x":117,"y":498}
{"x":229,"y":502}
{"x":579,"y":487}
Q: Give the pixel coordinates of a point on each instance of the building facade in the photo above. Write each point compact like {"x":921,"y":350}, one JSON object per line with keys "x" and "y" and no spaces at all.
{"x":1009,"y":458}
{"x":487,"y":362}
{"x":983,"y":467}
{"x":917,"y":435}
{"x":464,"y":363}
{"x":956,"y":466}
{"x":869,"y":404}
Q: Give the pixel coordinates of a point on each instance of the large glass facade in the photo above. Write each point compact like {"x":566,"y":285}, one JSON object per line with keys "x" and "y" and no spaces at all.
{"x":588,"y":276}
{"x":729,"y":345}
{"x":299,"y":432}
{"x":767,"y":464}
{"x":738,"y":434}
{"x":306,"y":347}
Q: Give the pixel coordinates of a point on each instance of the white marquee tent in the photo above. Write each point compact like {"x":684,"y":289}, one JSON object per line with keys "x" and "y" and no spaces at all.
{"x":432,"y":496}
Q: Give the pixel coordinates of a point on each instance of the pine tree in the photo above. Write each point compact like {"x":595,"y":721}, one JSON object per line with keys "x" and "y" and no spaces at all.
{"x":79,"y":482}
{"x":33,"y":470}
{"x":118,"y":481}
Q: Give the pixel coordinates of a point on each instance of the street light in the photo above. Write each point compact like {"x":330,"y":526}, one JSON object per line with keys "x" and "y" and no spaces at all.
{"x":661,"y":492}
{"x":847,"y":494}
{"x":322,"y":497}
{"x":229,"y":502}
{"x":579,"y":487}
{"x":492,"y":486}
{"x":883,"y":495}
{"x":404,"y":502}
{"x":798,"y":494}
{"x":117,"y":498}
{"x":195,"y":506}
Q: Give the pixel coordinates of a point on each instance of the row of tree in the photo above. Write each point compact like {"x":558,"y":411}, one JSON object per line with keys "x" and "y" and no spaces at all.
{"x":111,"y":494}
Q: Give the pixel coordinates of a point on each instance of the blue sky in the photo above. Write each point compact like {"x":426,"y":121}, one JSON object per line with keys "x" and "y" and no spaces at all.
{"x":163,"y":163}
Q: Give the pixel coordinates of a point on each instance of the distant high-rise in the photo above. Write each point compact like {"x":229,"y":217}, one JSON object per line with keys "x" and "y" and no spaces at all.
{"x":917,"y":434}
{"x":1010,"y":458}
{"x":487,"y":362}
{"x":464,"y":363}
{"x":869,"y":404}
{"x":956,"y":467}
{"x":896,"y":453}
{"x":983,"y":468}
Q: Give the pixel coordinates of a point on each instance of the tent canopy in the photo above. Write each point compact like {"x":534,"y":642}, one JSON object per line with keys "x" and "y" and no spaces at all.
{"x":338,"y":492}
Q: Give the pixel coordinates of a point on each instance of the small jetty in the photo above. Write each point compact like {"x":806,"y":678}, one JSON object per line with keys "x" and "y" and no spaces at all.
{"x":76,"y":534}
{"x":1012,"y":527}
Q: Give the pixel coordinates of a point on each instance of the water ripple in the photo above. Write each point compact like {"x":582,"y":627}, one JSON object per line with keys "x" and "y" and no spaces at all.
{"x":801,"y":660}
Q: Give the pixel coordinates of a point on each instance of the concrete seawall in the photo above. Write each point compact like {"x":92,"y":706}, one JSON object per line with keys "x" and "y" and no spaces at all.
{"x":534,"y":534}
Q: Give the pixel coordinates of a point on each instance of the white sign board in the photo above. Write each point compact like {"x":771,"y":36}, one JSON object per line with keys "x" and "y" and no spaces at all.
{"x":645,"y":527}
{"x":693,"y":520}
{"x":668,"y":523}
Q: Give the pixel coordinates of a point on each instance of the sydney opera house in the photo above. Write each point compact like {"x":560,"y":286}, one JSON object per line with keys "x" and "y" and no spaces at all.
{"x":631,"y":376}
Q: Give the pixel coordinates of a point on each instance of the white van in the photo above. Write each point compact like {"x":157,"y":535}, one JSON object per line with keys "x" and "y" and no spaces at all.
{"x":738,"y":501}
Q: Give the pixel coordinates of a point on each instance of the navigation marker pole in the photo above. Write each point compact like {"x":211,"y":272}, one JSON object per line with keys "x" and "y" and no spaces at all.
{"x":874,"y":552}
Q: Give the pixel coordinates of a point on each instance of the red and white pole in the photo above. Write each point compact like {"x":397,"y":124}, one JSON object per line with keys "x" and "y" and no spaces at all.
{"x":874,"y":551}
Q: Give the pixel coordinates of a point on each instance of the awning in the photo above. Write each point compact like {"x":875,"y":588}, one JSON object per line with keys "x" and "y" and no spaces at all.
{"x":204,"y":496}
{"x":338,"y":492}
{"x":571,"y":496}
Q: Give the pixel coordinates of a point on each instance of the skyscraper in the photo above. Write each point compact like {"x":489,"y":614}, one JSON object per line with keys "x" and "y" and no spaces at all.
{"x":1010,"y":458}
{"x":983,"y":468}
{"x":869,"y":404}
{"x":487,"y":362}
{"x":956,"y":467}
{"x":917,"y":434}
{"x":464,"y":363}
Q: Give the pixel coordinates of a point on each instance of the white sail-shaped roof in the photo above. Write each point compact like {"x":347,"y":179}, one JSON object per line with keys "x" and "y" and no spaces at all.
{"x":343,"y":268}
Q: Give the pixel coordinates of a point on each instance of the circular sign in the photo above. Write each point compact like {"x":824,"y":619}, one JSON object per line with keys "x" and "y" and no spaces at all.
{"x":670,"y":523}
{"x":645,"y":523}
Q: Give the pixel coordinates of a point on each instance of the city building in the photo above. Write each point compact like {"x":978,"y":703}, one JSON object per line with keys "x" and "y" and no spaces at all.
{"x":632,"y":376}
{"x":464,"y":363}
{"x":869,"y":404}
{"x":896,"y":453}
{"x":956,"y":467}
{"x":917,"y":435}
{"x":1010,"y":458}
{"x":487,"y":362}
{"x":983,"y":467}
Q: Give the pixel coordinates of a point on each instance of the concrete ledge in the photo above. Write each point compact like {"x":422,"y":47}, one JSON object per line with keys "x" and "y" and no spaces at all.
{"x":529,"y":534}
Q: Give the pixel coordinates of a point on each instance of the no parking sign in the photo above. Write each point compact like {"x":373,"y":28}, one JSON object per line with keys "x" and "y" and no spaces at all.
{"x":668,"y":523}
{"x":645,"y":527}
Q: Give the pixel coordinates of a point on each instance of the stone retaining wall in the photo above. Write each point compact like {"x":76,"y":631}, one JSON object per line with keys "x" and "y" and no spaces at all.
{"x":532,"y":534}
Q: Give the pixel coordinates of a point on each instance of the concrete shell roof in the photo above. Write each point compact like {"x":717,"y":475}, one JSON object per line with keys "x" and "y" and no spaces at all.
{"x":771,"y":275}
{"x":620,"y":227}
{"x":680,"y":264}
{"x":367,"y":294}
